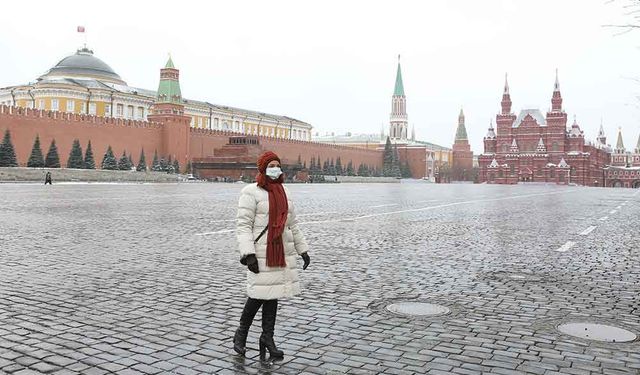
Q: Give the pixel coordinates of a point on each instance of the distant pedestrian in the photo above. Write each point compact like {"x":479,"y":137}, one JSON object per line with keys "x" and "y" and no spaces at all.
{"x":47,"y":178}
{"x":269,"y":241}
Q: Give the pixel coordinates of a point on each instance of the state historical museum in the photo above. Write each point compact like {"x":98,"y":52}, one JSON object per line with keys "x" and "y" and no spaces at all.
{"x":531,"y":147}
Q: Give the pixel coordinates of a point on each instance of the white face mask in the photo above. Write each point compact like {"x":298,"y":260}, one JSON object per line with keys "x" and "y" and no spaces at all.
{"x":274,"y":172}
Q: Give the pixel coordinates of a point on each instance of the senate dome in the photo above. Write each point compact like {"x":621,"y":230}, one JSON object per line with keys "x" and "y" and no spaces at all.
{"x":83,"y":64}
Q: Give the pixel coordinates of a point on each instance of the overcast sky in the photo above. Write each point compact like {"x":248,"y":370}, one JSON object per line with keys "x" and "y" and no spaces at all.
{"x":333,"y":63}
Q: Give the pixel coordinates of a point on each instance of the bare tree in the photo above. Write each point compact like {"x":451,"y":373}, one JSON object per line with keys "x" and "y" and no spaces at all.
{"x":631,"y":11}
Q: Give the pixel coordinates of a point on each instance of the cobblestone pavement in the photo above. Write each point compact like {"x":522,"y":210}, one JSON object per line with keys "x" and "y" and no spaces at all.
{"x":144,"y":279}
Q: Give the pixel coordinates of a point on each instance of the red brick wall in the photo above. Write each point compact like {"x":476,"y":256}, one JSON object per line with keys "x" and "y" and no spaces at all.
{"x":122,"y":135}
{"x":417,"y":158}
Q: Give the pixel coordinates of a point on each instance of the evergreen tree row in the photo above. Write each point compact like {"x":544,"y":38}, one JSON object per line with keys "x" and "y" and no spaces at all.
{"x":164,"y":165}
{"x":52,"y":160}
{"x":77,"y":160}
{"x":331,"y":167}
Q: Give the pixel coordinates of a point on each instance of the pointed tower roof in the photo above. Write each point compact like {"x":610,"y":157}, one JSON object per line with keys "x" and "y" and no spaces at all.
{"x":399,"y":89}
{"x":602,"y":138}
{"x":169,"y":87}
{"x":556,"y":98}
{"x":506,"y":85}
{"x":619,"y":143}
{"x":505,"y":104}
{"x":563,"y":164}
{"x":494,"y":164}
{"x":491,"y":134}
{"x":541,"y":147}
{"x":413,"y":132}
{"x":601,"y":131}
{"x":575,"y":129}
{"x":514,"y":146}
{"x":169,"y":63}
{"x":461,"y":132}
{"x":638,"y":146}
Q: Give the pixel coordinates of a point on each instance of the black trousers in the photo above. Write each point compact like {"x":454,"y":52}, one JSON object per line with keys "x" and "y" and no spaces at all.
{"x":269,"y":311}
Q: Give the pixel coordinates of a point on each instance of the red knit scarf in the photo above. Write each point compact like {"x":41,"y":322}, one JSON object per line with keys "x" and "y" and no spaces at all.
{"x":278,"y":210}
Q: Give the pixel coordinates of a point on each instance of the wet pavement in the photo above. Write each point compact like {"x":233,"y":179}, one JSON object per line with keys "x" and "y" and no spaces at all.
{"x":145,"y":279}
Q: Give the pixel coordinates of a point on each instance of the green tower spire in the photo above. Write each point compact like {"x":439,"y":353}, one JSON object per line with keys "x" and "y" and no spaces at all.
{"x":461,"y":133}
{"x":399,"y":90}
{"x":169,"y":88}
{"x":169,"y":63}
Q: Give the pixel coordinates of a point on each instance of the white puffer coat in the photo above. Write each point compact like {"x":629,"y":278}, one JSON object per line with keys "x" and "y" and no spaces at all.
{"x":253,"y":216}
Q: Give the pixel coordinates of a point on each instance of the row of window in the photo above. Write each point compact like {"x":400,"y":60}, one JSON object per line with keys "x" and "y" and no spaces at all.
{"x":626,"y":173}
{"x":132,"y":112}
{"x":623,"y":159}
{"x":201,"y":122}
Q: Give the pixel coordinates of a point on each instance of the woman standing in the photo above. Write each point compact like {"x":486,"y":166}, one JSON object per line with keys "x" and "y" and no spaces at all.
{"x":269,"y":241}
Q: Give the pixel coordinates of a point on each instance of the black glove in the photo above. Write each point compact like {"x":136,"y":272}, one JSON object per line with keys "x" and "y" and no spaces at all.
{"x":306,"y":259}
{"x":252,"y":263}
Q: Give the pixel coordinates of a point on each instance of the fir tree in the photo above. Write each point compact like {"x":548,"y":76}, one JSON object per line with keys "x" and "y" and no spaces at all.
{"x":52,"y":160}
{"x":406,"y":170}
{"x":36,"y":160}
{"x":130,"y":162}
{"x":155,"y":166}
{"x":176,"y":166}
{"x":75,"y":156}
{"x":109,"y":161}
{"x":142,"y":163}
{"x":162,"y":165}
{"x":364,"y":171}
{"x":339,"y":166}
{"x":7,"y":152}
{"x":350,"y":171}
{"x":395,"y":164}
{"x":123,"y":163}
{"x":299,"y":160}
{"x":169,"y":166}
{"x":387,"y":159}
{"x":89,"y":161}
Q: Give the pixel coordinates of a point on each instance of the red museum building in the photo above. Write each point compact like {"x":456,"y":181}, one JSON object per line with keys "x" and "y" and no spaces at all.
{"x":531,"y":147}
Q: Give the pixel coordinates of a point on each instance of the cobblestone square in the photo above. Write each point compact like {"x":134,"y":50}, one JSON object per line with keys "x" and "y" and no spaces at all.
{"x":145,"y":279}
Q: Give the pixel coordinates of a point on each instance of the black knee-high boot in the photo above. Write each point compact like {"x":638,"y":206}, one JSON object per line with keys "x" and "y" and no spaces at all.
{"x":269,"y":312}
{"x":251,"y":307}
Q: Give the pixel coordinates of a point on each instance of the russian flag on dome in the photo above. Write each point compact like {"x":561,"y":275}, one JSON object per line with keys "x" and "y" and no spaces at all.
{"x":80,"y":29}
